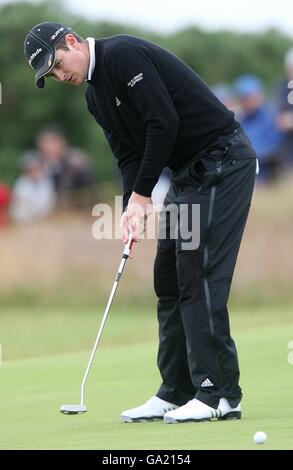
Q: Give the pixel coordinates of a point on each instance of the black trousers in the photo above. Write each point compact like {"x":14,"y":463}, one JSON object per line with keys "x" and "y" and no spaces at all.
{"x":197,"y":356}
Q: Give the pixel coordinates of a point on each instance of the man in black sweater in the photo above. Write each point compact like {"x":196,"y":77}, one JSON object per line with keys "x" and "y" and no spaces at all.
{"x":156,"y":112}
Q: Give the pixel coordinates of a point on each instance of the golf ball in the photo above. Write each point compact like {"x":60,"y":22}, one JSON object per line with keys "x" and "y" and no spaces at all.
{"x":260,"y":437}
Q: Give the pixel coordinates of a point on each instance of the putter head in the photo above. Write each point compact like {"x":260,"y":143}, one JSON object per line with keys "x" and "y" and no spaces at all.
{"x":73,"y":409}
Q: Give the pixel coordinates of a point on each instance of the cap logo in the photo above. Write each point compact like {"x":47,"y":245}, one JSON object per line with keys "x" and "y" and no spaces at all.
{"x":34,"y":55}
{"x":54,"y":36}
{"x":50,"y":60}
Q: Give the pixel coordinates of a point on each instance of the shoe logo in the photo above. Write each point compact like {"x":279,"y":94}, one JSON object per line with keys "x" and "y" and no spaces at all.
{"x":215,"y":413}
{"x":118,"y":102}
{"x":171,"y":408}
{"x":207,"y":383}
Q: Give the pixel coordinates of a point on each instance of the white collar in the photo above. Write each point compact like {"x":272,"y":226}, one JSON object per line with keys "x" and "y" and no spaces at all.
{"x":92,"y":65}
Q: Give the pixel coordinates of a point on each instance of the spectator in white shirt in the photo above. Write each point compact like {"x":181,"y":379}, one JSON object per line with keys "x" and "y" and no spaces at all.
{"x":33,"y":193}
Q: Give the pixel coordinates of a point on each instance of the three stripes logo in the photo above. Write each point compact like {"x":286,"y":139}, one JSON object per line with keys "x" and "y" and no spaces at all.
{"x":215,"y":413}
{"x":207,"y":383}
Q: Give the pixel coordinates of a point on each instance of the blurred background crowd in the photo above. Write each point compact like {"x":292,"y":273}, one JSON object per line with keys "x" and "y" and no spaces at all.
{"x":55,"y":164}
{"x":266,"y":118}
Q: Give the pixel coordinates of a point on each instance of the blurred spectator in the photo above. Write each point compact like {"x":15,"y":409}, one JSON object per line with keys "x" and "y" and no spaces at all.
{"x":285,"y":115}
{"x":69,"y":168}
{"x":226,"y":95}
{"x":5,"y":197}
{"x":259,"y":122}
{"x":33,"y":193}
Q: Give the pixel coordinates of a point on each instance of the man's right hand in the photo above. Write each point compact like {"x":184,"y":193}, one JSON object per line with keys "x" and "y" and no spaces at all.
{"x":133,"y":220}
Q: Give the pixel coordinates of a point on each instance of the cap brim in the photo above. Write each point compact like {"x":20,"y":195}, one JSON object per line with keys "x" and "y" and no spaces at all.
{"x":44,"y":67}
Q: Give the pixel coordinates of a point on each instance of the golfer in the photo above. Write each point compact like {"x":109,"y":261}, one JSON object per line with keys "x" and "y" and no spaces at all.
{"x":155,"y":113}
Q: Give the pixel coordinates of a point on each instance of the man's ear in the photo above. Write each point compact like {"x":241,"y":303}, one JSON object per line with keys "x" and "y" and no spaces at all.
{"x":70,"y":41}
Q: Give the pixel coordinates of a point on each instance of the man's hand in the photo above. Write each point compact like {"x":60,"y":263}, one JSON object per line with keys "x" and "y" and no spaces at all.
{"x":133,"y":220}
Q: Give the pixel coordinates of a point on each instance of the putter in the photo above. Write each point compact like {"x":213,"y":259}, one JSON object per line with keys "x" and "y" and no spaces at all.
{"x":81,"y":408}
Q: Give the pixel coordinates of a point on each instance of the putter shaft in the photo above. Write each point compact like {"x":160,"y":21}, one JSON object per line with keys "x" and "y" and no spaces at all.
{"x":125,"y":256}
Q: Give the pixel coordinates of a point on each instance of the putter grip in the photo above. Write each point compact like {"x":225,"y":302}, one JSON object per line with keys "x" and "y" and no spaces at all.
{"x":127,"y":248}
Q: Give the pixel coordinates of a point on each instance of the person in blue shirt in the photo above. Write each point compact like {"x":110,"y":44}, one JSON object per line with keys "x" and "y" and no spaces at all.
{"x":259,"y":122}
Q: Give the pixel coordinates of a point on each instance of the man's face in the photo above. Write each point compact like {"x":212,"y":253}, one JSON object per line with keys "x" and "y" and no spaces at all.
{"x":252,"y":102}
{"x":71,"y":66}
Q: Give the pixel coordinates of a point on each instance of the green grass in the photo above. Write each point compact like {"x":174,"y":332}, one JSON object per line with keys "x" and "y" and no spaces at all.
{"x":45,"y":352}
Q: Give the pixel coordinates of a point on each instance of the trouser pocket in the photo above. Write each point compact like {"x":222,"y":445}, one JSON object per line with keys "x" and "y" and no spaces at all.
{"x":208,"y":169}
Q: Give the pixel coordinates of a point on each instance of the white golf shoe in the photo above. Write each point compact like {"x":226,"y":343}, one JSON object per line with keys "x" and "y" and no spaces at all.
{"x":154,"y":409}
{"x":196,"y":410}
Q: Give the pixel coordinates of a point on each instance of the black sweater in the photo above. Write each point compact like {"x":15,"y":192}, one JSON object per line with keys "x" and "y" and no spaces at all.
{"x":154,"y":110}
